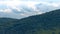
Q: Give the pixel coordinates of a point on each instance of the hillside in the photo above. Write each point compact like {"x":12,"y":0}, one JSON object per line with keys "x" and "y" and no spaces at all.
{"x":47,"y":23}
{"x":6,"y":22}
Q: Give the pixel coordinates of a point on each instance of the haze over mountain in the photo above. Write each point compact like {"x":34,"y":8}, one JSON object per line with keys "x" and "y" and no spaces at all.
{"x":47,"y":23}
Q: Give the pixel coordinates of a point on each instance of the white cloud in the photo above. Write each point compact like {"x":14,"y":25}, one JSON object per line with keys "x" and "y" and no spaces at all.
{"x":55,"y":4}
{"x":6,"y":10}
{"x":1,"y":10}
{"x":25,"y":14}
{"x":51,"y":4}
{"x":38,"y":12}
{"x":30,"y":4}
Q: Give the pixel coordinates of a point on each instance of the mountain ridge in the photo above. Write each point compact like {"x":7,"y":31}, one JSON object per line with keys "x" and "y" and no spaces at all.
{"x":47,"y":23}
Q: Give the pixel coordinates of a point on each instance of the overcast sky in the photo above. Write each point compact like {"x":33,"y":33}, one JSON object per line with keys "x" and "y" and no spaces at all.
{"x":23,"y":8}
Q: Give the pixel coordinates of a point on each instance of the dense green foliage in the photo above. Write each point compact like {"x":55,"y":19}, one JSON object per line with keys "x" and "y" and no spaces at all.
{"x":47,"y":23}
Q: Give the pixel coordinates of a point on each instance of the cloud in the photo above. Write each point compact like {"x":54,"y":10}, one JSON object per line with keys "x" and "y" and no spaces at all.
{"x":51,"y":4}
{"x":24,"y":8}
{"x":38,"y":11}
{"x":6,"y":10}
{"x":24,"y":14}
{"x":55,"y":4}
{"x":31,"y":4}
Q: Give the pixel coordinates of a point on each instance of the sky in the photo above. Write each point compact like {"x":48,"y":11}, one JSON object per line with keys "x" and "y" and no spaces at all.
{"x":25,"y":8}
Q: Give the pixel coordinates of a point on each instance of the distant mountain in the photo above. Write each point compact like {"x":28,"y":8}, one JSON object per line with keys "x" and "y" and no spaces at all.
{"x":47,"y":23}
